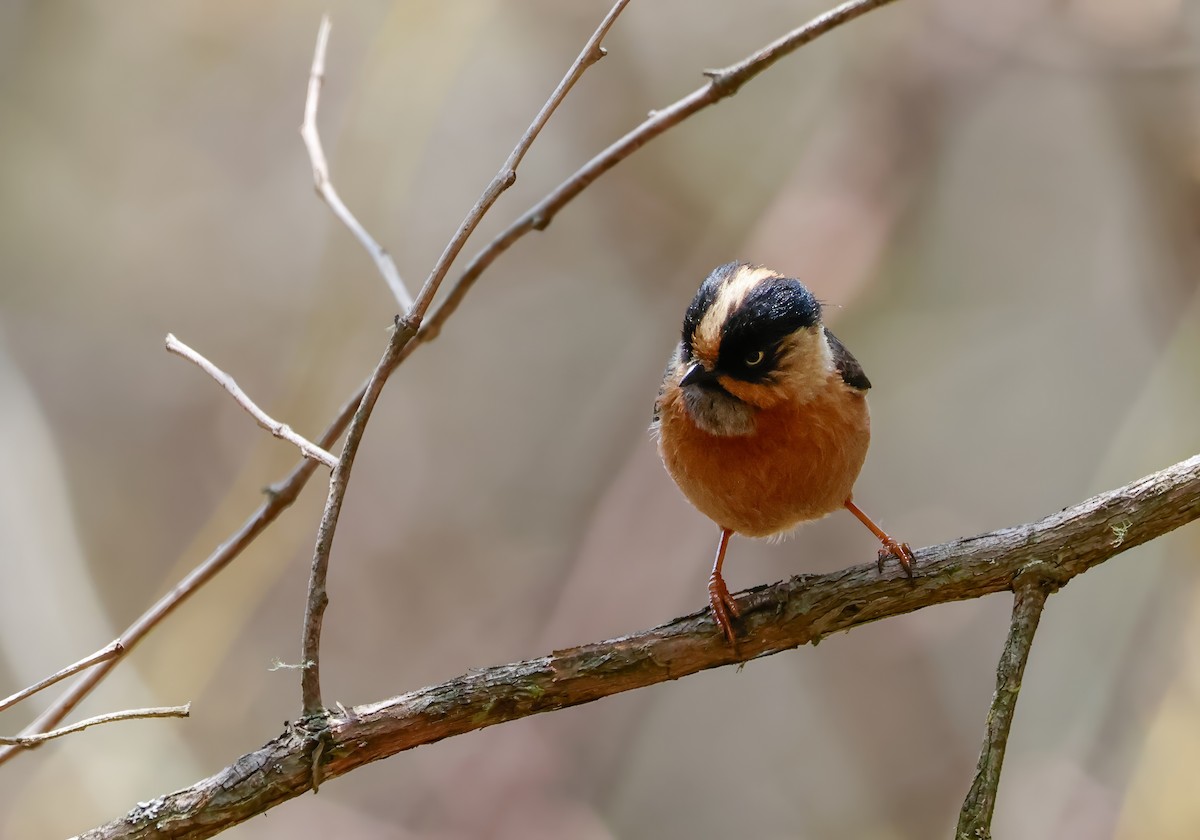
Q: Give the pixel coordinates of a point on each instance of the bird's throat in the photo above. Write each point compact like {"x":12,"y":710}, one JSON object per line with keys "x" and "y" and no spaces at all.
{"x":718,"y":412}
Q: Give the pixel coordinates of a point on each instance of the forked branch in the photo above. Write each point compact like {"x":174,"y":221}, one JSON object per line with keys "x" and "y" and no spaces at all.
{"x":776,"y":618}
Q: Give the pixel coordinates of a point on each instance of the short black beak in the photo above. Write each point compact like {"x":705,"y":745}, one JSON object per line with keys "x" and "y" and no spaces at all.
{"x":697,"y":375}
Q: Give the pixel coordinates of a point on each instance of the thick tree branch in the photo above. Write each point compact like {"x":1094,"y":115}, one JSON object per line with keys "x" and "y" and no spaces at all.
{"x":776,"y":618}
{"x":1029,"y":598}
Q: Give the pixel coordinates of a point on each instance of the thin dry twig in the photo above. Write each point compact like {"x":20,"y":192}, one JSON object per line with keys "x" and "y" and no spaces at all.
{"x":110,"y":651}
{"x":405,"y":329}
{"x":26,"y":741}
{"x":775,"y":618}
{"x":1029,"y":598}
{"x":323,"y":183}
{"x":280,"y":430}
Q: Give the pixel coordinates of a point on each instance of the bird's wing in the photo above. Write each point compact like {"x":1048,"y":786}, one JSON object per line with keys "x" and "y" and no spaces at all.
{"x":672,"y":365}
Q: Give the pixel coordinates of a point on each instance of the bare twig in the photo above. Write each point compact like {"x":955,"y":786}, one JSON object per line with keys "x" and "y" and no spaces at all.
{"x":280,"y":497}
{"x":405,"y":329}
{"x":775,"y":618}
{"x":110,"y":651}
{"x":25,"y":741}
{"x":1029,"y":597}
{"x":279,"y":430}
{"x":318,"y":599}
{"x":721,"y":84}
{"x":324,"y":186}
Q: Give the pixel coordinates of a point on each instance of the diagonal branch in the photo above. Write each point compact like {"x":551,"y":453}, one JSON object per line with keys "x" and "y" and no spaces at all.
{"x":405,"y":330}
{"x":778,"y":617}
{"x":323,"y":184}
{"x":1029,"y":599}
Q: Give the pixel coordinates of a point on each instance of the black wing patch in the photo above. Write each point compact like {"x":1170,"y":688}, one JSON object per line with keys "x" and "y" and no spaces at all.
{"x":847,"y":365}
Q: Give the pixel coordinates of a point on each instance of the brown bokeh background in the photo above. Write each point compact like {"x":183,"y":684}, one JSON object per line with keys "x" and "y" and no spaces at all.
{"x":997,"y":201}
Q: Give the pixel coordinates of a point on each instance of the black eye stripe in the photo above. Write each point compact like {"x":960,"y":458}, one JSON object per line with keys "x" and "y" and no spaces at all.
{"x":770,"y":312}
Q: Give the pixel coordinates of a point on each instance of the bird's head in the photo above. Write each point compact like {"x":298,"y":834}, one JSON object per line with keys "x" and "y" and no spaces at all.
{"x":755,"y":335}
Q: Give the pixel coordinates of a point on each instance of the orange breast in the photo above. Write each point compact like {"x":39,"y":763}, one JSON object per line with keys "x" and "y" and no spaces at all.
{"x":799,"y":464}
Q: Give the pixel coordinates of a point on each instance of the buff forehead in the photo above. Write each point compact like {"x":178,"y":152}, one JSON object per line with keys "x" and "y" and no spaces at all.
{"x":706,"y":342}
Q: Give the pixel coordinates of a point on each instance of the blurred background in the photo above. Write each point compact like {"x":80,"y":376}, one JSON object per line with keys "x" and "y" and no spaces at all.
{"x":999,"y":203}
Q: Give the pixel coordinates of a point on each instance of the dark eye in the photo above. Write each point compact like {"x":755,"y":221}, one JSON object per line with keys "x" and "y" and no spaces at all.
{"x":754,"y":358}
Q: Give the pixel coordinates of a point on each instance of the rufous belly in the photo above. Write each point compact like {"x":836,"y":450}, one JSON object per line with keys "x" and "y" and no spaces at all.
{"x":800,"y":462}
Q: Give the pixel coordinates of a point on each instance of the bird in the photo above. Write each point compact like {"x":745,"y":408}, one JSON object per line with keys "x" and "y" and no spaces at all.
{"x":762,"y":417}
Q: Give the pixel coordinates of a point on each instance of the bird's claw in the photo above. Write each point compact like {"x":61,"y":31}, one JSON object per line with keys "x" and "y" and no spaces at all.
{"x":723,"y":606}
{"x":901,"y":552}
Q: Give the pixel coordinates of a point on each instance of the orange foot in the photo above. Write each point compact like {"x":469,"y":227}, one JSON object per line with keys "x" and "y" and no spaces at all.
{"x":900,"y":551}
{"x":722,"y":603}
{"x":891,"y":548}
{"x":723,"y":606}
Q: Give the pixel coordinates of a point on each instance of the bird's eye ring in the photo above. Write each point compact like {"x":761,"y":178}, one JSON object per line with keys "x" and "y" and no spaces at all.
{"x":754,"y":358}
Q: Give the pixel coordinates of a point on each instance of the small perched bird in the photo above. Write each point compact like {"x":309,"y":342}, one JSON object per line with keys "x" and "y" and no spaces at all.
{"x":762,"y":416}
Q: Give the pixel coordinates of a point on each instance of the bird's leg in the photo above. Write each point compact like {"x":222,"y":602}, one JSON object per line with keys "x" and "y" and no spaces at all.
{"x":900,"y":551}
{"x":719,"y":599}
